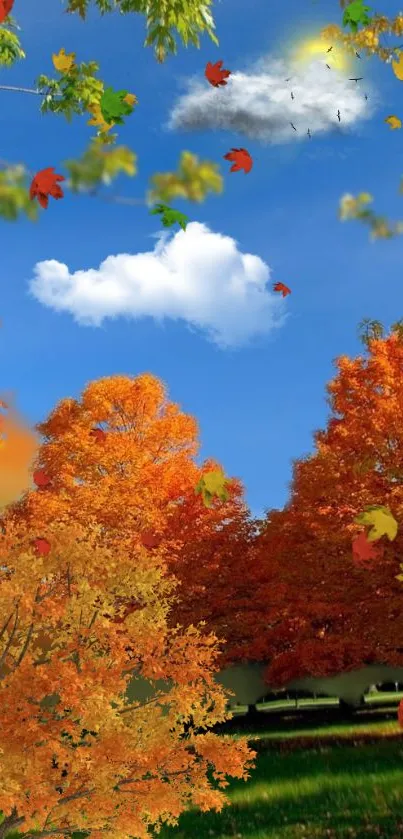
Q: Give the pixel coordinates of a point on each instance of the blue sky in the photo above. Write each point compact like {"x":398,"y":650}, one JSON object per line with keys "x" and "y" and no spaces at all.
{"x":257,"y":404}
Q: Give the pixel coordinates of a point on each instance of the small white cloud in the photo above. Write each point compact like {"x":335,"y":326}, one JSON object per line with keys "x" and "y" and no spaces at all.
{"x":260,"y":106}
{"x":198,"y":276}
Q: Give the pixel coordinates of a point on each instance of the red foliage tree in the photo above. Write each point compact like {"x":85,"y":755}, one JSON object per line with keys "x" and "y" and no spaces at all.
{"x":322,"y":613}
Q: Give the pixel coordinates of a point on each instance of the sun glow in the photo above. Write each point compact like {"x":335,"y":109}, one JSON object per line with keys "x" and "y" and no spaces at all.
{"x":337,"y":58}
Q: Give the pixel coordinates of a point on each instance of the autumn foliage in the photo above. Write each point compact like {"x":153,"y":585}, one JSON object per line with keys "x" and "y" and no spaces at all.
{"x":322,"y":612}
{"x":81,"y":619}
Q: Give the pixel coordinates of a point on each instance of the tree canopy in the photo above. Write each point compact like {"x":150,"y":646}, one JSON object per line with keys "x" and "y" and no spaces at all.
{"x":326,"y":613}
{"x":85,"y":597}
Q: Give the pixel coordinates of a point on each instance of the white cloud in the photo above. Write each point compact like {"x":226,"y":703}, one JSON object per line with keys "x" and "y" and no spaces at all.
{"x":259,"y":104}
{"x":198,"y":276}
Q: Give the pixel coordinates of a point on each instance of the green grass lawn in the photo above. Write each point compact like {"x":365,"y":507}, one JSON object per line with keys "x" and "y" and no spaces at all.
{"x":313,"y":780}
{"x":345,"y":789}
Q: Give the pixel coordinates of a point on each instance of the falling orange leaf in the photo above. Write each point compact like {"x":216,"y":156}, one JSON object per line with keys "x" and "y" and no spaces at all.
{"x":19,"y":447}
{"x":44,"y":184}
{"x":393,"y":121}
{"x":98,"y":435}
{"x":149,"y":539}
{"x":5,"y":9}
{"x":41,"y":478}
{"x":42,"y":546}
{"x":241,"y":160}
{"x":283,"y":288}
{"x":363,"y":550}
{"x":215,"y":74}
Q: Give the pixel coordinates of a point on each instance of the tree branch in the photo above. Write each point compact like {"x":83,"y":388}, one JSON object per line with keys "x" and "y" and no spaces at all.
{"x":10,"y":822}
{"x":139,"y":707}
{"x":21,"y":89}
{"x":13,"y":820}
{"x":25,"y":647}
{"x":4,"y":627}
{"x":10,"y":640}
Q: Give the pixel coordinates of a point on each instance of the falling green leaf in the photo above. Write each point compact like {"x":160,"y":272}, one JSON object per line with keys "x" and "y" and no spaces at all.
{"x":114,"y":106}
{"x":14,"y":194}
{"x":169,"y":216}
{"x":356,"y":13}
{"x":193,"y":180}
{"x":99,"y":165}
{"x":210,"y":485}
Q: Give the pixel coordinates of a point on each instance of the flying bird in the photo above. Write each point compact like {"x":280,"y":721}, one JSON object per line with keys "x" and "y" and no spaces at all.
{"x":293,"y":126}
{"x":329,"y":68}
{"x":330,"y":49}
{"x":288,"y":80}
{"x":292,"y":95}
{"x":358,"y":56}
{"x":360,"y":78}
{"x":309,"y":134}
{"x":366,"y":97}
{"x":338,"y":115}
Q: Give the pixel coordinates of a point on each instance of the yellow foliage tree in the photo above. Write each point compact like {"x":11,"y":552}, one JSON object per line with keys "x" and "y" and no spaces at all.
{"x":75,"y":551}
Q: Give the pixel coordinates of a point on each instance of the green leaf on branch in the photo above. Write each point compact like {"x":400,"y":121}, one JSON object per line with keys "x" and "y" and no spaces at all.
{"x":193,"y":180}
{"x":10,"y":48}
{"x":187,"y":19}
{"x":99,"y":165}
{"x":73,"y":93}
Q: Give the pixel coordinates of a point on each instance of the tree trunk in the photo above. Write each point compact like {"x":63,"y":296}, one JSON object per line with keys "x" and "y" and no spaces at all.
{"x":253,"y":714}
{"x":349,"y":707}
{"x":10,"y":823}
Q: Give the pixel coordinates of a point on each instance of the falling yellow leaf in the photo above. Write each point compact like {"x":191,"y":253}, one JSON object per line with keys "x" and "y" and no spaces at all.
{"x":212,"y":484}
{"x":62,"y":62}
{"x":97,"y":119}
{"x":393,"y":121}
{"x":397,"y":67}
{"x":131,"y":99}
{"x":381,"y":522}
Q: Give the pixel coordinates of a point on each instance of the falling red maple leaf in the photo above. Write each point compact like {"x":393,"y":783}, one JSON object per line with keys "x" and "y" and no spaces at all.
{"x":241,"y":158}
{"x":215,"y":74}
{"x":149,"y":539}
{"x":44,"y":184}
{"x":283,"y":288}
{"x":5,"y":8}
{"x":364,"y":550}
{"x":98,"y":435}
{"x":41,"y":479}
{"x":42,"y":546}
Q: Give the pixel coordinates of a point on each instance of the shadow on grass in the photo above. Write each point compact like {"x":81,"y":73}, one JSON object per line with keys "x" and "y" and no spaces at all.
{"x":306,"y":719}
{"x":322,"y":793}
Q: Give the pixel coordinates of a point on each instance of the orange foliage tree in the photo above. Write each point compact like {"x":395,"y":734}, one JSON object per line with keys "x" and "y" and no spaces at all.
{"x":326,"y":613}
{"x":85,"y":598}
{"x":124,"y":458}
